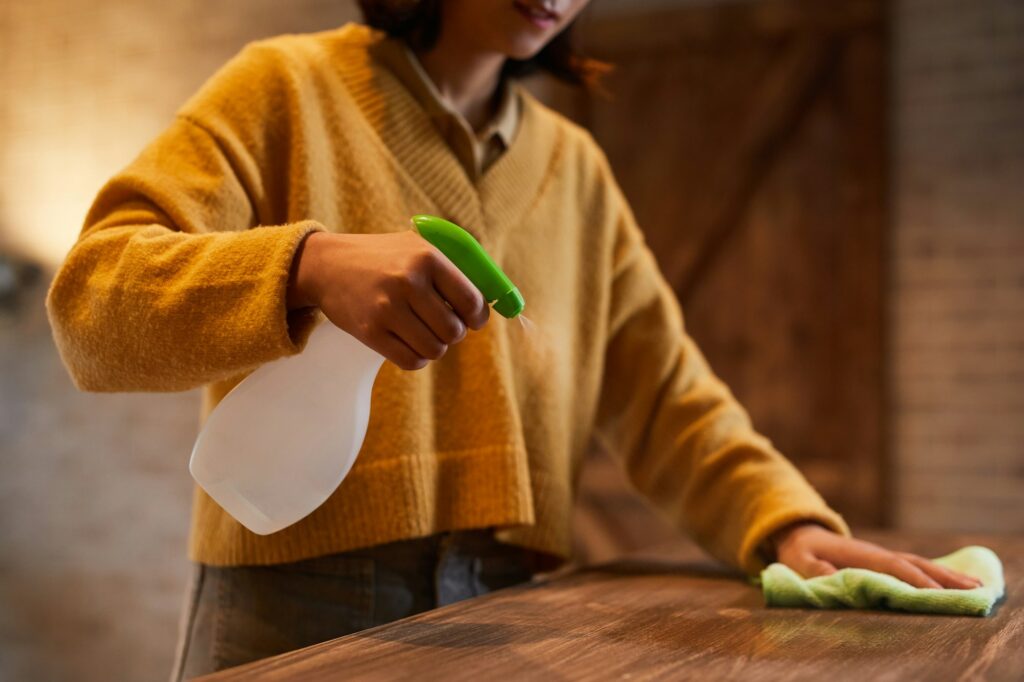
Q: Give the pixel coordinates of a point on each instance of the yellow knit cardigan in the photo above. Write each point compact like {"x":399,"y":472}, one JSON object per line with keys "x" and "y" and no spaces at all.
{"x":178,"y":280}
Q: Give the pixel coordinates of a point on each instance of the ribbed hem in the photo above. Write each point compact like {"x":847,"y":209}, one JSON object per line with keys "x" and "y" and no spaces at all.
{"x":553,"y":500}
{"x":381,"y":502}
{"x":294,"y":329}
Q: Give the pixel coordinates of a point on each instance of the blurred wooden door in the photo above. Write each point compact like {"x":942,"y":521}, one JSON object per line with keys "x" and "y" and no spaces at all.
{"x":750,"y":140}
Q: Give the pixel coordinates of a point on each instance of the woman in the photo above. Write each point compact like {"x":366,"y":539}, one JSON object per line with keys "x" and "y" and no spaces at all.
{"x":284,"y":188}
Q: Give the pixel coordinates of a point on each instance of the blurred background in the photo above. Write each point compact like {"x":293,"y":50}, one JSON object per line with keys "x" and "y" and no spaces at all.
{"x":835,"y":189}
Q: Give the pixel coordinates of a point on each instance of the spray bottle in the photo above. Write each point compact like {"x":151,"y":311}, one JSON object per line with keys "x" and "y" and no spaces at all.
{"x":282,"y":440}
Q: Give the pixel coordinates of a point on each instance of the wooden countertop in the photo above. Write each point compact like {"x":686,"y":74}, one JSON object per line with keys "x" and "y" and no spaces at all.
{"x":670,"y":613}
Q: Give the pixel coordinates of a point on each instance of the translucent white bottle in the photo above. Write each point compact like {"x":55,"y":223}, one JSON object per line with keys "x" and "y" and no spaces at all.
{"x":280,"y":443}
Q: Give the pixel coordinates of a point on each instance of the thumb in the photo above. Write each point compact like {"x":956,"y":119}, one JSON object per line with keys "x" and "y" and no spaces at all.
{"x":818,"y":567}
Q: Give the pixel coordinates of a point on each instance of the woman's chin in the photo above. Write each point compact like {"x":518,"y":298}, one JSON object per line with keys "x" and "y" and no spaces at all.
{"x":523,"y":48}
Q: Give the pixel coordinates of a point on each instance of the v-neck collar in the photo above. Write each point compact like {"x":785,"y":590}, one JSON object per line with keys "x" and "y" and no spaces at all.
{"x":500,"y":196}
{"x":475,"y":149}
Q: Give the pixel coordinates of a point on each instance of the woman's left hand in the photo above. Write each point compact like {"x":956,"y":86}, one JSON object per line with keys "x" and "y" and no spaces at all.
{"x":812,"y":550}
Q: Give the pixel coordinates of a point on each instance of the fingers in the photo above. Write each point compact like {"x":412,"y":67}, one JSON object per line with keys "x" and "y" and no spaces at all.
{"x":415,"y":333}
{"x":818,"y":567}
{"x":420,"y":321}
{"x":464,"y":298}
{"x":909,"y":573}
{"x":944,"y":576}
{"x":397,"y":351}
{"x":814,"y":554}
{"x":807,"y":563}
{"x":910,"y":568}
{"x":439,"y":318}
{"x":860,"y":554}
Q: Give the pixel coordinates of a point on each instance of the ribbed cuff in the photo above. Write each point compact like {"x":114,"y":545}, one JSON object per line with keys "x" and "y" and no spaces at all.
{"x":299,"y":323}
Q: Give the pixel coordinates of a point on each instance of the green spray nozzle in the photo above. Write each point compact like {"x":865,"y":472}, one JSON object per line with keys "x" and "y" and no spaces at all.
{"x":468,"y":256}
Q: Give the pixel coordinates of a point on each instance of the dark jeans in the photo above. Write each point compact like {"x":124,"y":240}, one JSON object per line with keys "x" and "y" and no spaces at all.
{"x":235,"y":615}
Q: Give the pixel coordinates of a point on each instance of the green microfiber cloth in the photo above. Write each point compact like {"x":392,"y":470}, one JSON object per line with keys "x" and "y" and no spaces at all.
{"x":858,"y":588}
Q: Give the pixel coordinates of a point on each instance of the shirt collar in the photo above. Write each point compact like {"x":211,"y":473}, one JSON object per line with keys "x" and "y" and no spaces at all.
{"x":400,"y":60}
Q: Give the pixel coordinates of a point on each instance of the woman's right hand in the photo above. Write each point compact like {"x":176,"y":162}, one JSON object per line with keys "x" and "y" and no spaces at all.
{"x":394,"y":292}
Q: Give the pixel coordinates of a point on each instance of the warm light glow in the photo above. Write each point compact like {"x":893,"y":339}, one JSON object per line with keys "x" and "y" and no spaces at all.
{"x":48,"y":194}
{"x":75,"y":111}
{"x":87,"y":85}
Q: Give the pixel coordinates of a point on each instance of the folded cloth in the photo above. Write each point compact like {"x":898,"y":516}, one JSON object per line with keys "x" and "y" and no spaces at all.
{"x":858,"y":588}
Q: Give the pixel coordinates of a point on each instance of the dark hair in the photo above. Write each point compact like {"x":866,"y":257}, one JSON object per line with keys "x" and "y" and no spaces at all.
{"x":418,"y":23}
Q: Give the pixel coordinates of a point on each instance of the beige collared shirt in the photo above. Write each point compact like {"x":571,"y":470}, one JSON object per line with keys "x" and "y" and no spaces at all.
{"x":476,"y":151}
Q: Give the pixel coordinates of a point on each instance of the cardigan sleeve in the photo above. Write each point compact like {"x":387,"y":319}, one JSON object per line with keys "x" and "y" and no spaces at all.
{"x":687,"y":444}
{"x":172,"y":283}
{"x":169,"y":285}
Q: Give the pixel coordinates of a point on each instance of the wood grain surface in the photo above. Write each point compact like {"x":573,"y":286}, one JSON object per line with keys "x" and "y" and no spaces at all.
{"x":670,"y":613}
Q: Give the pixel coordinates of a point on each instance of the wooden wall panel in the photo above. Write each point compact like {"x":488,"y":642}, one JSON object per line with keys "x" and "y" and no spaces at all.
{"x":750,"y":140}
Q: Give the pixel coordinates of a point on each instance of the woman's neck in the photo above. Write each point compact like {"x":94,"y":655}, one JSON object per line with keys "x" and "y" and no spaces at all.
{"x":467,"y":79}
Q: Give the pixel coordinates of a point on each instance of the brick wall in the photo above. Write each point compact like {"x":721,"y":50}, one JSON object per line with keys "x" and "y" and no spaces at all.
{"x":958,"y":266}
